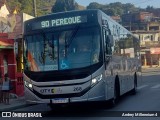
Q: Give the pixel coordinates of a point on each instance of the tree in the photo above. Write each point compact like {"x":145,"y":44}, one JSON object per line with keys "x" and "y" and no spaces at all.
{"x":26,"y":6}
{"x":109,"y":11}
{"x":117,"y":8}
{"x":113,"y":9}
{"x":64,"y":5}
{"x":14,"y":4}
{"x":128,"y":7}
{"x":149,"y":8}
{"x":94,"y":5}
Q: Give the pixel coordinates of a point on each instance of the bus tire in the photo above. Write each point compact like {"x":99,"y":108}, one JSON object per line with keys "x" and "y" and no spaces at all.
{"x":134,"y":90}
{"x":116,"y":96}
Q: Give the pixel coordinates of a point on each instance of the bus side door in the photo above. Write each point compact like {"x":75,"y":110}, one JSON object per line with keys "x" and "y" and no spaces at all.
{"x":108,"y":64}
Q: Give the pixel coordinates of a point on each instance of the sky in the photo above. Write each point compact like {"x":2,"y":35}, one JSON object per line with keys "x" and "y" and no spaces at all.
{"x":137,"y":3}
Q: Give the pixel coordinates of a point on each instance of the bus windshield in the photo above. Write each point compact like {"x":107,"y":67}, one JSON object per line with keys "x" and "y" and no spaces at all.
{"x":68,"y":49}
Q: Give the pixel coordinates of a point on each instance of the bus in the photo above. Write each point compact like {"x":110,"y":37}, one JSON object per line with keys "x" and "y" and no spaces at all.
{"x":79,"y":56}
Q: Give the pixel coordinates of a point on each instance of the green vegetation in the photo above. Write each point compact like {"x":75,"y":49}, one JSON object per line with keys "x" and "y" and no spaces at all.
{"x":64,"y":5}
{"x":113,"y":9}
{"x":43,"y":6}
{"x":48,"y":6}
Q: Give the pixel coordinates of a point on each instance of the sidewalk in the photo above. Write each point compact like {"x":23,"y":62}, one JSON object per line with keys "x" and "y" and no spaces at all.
{"x":151,"y":69}
{"x":15,"y":102}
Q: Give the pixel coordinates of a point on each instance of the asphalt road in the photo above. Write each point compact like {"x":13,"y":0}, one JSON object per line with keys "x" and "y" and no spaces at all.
{"x":147,"y":100}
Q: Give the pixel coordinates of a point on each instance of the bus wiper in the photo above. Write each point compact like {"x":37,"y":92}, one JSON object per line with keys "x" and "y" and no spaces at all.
{"x":72,"y":37}
{"x":69,"y":42}
{"x":42,"y":55}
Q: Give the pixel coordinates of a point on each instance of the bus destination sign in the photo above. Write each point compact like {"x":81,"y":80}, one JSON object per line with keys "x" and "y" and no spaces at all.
{"x":59,"y":22}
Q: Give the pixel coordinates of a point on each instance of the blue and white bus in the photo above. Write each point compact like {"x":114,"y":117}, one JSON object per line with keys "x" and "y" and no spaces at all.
{"x":79,"y":56}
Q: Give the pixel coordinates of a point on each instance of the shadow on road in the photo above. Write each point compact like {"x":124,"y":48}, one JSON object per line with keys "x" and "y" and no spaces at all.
{"x":93,"y":109}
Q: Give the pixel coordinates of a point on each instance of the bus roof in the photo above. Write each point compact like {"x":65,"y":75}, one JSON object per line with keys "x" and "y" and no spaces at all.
{"x":76,"y":12}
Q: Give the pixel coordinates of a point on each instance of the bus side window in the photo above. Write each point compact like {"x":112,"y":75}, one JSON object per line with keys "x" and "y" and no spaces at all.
{"x":107,"y":42}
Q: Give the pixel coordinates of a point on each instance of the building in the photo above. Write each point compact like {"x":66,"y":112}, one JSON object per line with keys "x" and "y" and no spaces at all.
{"x":150,"y":47}
{"x":153,"y":26}
{"x":136,"y":21}
{"x":11,"y":30}
{"x":117,"y":18}
{"x":146,"y":26}
{"x":137,"y":17}
{"x":7,"y":57}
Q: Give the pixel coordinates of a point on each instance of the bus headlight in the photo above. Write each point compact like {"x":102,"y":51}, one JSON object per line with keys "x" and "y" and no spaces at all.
{"x":96,"y":79}
{"x":30,"y":85}
{"x":27,"y":84}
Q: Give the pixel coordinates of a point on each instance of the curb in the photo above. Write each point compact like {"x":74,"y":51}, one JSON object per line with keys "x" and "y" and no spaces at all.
{"x":14,"y":107}
{"x":16,"y":103}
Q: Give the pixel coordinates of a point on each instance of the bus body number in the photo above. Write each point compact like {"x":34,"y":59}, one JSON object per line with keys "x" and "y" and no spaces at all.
{"x":77,"y":89}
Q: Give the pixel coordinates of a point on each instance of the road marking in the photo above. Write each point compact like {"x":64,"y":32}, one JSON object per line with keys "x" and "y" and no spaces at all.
{"x":143,"y":86}
{"x":156,"y":86}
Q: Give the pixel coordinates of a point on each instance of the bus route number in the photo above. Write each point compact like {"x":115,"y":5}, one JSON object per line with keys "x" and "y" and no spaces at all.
{"x":45,"y":24}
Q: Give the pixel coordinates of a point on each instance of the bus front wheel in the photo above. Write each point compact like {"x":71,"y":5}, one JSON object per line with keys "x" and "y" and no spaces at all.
{"x":116,"y":96}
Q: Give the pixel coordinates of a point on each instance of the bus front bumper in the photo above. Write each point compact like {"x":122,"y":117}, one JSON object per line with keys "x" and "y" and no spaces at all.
{"x":95,"y":93}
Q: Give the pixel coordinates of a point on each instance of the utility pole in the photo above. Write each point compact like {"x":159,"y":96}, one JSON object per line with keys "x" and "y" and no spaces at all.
{"x":34,"y":8}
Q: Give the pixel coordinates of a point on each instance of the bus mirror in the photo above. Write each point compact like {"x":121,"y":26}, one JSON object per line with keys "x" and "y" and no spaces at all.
{"x":107,"y":58}
{"x":109,"y":40}
{"x":110,"y":37}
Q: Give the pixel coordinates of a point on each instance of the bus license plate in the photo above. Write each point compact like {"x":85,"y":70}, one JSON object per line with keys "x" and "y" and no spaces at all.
{"x":60,"y":100}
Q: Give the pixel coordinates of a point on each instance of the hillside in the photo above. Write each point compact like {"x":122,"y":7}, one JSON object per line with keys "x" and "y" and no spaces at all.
{"x":43,"y":6}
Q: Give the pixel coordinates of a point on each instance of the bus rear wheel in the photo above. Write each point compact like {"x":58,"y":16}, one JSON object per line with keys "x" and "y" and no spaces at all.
{"x":134,"y":90}
{"x":116,"y":96}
